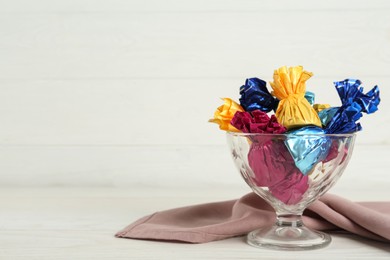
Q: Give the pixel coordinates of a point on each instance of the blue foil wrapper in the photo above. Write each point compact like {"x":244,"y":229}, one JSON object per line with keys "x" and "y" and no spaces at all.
{"x":345,"y":120}
{"x":310,"y":96}
{"x":354,"y":103}
{"x":350,"y":91}
{"x":255,"y":96}
{"x":307,"y":148}
{"x":327,"y":114}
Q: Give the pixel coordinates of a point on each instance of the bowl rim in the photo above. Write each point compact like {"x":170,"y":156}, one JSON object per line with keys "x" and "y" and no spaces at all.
{"x":231,"y":133}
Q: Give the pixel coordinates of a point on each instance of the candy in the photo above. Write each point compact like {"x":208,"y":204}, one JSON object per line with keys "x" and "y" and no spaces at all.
{"x":327,"y":114}
{"x":224,"y":114}
{"x":270,"y":161}
{"x":334,"y":152}
{"x":354,"y":102}
{"x":307,"y":146}
{"x":255,"y":96}
{"x":351,"y":91}
{"x":289,"y":87}
{"x":273,"y":167}
{"x":320,"y":107}
{"x":260,"y":160}
{"x":310,"y":97}
{"x":285,"y":163}
{"x":291,"y":189}
{"x":256,"y":122}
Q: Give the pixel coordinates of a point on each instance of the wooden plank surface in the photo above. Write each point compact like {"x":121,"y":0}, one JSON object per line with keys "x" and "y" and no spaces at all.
{"x":118,"y":6}
{"x":193,"y":45}
{"x":171,"y":167}
{"x":79,"y":223}
{"x":142,"y":111}
{"x":88,"y":72}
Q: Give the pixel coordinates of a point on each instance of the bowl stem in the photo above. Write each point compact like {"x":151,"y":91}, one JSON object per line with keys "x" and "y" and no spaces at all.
{"x":289,"y":220}
{"x":288,"y":233}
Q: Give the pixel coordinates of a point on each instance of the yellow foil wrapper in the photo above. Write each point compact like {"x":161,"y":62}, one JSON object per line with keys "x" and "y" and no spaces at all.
{"x":289,"y":87}
{"x":320,"y":107}
{"x":224,"y":114}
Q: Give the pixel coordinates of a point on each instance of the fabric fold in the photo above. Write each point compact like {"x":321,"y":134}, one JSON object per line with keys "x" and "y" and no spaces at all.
{"x":219,"y":220}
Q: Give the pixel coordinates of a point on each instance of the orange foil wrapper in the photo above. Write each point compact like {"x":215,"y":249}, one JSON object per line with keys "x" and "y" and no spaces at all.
{"x":289,"y":86}
{"x":224,"y":114}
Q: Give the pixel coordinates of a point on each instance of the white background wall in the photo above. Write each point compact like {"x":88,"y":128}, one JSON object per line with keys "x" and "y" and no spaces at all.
{"x":118,"y":93}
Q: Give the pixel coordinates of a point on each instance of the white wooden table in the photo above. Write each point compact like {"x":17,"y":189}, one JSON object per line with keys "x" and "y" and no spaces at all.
{"x":80,"y":223}
{"x":70,"y":222}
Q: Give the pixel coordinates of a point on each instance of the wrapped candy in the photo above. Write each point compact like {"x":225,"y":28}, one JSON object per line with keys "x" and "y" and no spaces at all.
{"x":345,"y":120}
{"x":270,"y":161}
{"x":256,"y":122}
{"x":289,"y":87}
{"x":327,"y":114}
{"x":286,"y":164}
{"x":307,"y":147}
{"x":351,"y":91}
{"x":310,"y":97}
{"x":255,"y":96}
{"x":354,"y":103}
{"x":273,"y":167}
{"x":334,"y":151}
{"x":260,"y":157}
{"x":290,"y":190}
{"x":308,"y":151}
{"x":319,"y":107}
{"x":224,"y":114}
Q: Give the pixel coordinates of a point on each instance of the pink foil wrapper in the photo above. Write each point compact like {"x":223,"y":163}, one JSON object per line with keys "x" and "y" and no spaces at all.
{"x":274,"y":167}
{"x":334,"y":151}
{"x":271,"y":162}
{"x":291,"y":189}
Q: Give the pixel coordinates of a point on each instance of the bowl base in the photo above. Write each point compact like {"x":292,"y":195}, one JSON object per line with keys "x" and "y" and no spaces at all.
{"x":288,"y":238}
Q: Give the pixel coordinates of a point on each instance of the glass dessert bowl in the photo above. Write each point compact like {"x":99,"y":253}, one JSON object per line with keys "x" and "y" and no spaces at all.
{"x":290,"y":171}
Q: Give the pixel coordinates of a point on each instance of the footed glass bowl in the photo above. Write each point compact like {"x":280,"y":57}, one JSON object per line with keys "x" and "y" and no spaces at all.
{"x":290,"y":171}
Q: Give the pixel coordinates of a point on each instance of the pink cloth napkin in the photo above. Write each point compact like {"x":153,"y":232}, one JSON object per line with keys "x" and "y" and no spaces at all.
{"x":219,"y":220}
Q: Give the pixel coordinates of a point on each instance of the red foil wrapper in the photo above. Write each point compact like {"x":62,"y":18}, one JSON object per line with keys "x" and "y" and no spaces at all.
{"x":257,"y":122}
